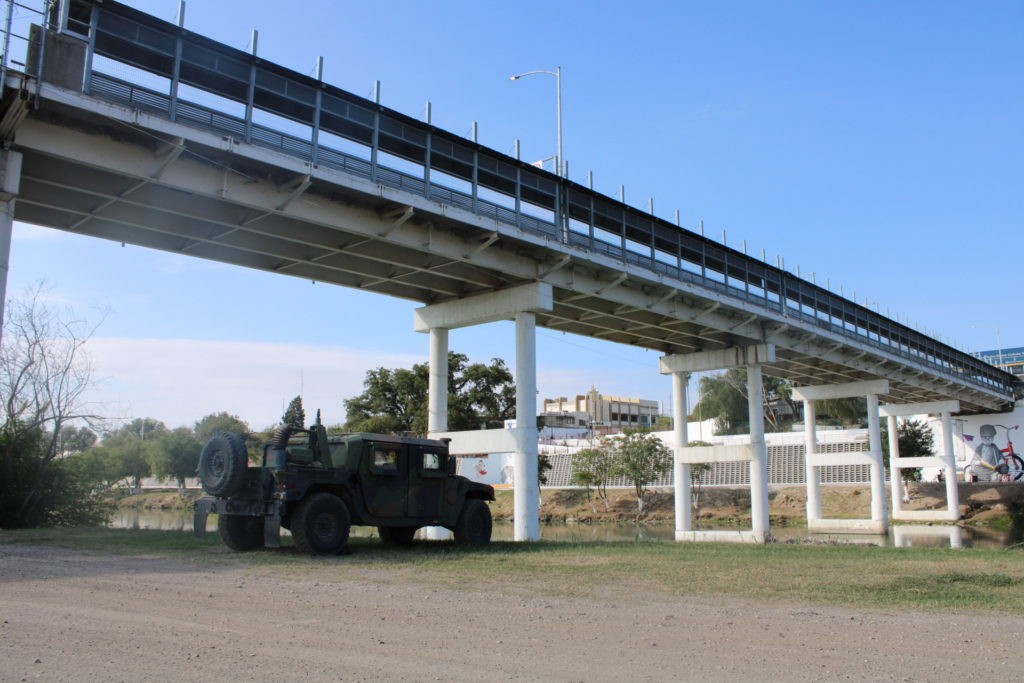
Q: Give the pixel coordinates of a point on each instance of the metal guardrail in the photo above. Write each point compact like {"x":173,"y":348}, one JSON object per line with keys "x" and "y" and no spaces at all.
{"x":579,"y":217}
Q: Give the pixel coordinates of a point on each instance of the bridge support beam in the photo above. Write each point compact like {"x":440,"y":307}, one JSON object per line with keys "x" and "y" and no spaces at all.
{"x":10,"y":179}
{"x":681,"y":469}
{"x":521,"y":304}
{"x":756,"y":453}
{"x":437,"y":402}
{"x":945,"y":460}
{"x":814,"y":460}
{"x":527,"y":487}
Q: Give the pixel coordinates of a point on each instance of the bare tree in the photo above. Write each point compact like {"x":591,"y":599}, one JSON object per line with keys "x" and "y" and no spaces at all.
{"x":44,"y":377}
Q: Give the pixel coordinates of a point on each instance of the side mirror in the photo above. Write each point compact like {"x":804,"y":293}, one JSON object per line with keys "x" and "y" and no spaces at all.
{"x":450,"y":466}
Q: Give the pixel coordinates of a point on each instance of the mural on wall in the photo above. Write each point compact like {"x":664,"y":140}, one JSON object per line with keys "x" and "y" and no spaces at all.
{"x":494,"y":469}
{"x":989,"y":449}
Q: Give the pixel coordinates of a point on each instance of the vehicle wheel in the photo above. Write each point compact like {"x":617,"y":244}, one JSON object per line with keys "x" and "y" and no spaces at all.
{"x":474,"y":525}
{"x":401,"y":535}
{"x":222,"y":464}
{"x":240,"y":532}
{"x":1018,"y":463}
{"x":320,"y":525}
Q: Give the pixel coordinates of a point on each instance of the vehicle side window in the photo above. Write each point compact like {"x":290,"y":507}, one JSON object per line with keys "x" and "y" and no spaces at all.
{"x":432,"y":464}
{"x":385,"y":460}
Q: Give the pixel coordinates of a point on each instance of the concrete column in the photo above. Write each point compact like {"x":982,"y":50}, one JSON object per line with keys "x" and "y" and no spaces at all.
{"x":879,"y":509}
{"x":437,"y":404}
{"x":437,"y":382}
{"x":10,"y":182}
{"x":527,"y":492}
{"x":896,"y":480}
{"x":759,"y":463}
{"x":810,"y":471}
{"x":6,"y":230}
{"x":952,"y":490}
{"x":681,"y":472}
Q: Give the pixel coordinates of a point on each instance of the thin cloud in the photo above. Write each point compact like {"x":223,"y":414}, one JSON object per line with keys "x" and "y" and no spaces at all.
{"x":179,"y":381}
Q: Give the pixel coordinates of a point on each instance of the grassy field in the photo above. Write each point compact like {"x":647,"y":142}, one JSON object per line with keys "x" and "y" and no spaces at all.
{"x":930,"y":579}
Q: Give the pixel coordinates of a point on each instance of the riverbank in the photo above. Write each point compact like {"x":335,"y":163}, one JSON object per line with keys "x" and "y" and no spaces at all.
{"x":985,"y":505}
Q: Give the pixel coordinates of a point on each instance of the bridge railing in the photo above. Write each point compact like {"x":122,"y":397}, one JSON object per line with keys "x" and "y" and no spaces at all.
{"x":143,"y":50}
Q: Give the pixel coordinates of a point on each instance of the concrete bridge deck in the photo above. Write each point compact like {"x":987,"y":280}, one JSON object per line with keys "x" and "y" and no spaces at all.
{"x":336,"y":202}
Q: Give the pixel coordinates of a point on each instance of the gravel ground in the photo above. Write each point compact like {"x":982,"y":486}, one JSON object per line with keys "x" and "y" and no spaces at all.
{"x":77,"y":616}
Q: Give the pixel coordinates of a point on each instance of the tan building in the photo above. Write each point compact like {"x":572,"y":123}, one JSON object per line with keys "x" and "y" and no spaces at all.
{"x":602,"y":413}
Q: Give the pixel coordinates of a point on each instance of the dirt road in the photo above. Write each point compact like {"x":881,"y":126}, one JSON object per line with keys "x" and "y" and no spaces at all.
{"x":75,"y":616}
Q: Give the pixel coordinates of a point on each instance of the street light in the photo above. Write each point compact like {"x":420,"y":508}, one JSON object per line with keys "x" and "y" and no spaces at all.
{"x":557,"y":73}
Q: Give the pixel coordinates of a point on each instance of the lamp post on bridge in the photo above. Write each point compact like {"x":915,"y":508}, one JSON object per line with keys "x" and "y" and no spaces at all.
{"x":557,"y":73}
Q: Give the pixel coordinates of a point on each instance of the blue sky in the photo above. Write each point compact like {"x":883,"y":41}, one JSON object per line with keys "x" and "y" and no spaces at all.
{"x":878,"y":145}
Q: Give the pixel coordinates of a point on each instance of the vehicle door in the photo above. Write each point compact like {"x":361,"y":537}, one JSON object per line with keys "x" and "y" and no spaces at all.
{"x":427,"y":478}
{"x":385,"y":467}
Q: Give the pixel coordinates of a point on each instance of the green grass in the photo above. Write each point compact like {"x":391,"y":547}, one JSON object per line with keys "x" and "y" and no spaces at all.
{"x":930,"y":579}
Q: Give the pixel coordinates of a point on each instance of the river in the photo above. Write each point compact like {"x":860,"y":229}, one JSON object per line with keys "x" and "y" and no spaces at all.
{"x":902,"y":535}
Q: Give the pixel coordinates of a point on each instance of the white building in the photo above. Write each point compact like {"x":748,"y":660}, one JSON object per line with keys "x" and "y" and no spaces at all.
{"x":605,"y":414}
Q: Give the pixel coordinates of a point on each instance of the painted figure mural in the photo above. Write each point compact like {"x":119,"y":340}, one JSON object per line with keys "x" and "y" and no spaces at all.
{"x":989,"y":462}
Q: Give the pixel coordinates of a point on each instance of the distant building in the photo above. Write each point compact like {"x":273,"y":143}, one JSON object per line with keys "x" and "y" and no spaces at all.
{"x":603,"y":414}
{"x":1011,"y":360}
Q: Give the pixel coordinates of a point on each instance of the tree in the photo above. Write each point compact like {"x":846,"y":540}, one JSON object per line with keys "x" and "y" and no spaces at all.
{"x":915,"y":440}
{"x":44,"y":376}
{"x":642,"y":458}
{"x":844,"y":411}
{"x":101,"y":464}
{"x":76,"y":439}
{"x":220,"y":422}
{"x":698,"y":470}
{"x":127,"y":450}
{"x":724,"y":398}
{"x":175,"y":455}
{"x":543,"y":467}
{"x":595,"y":467}
{"x":295,"y":414}
{"x":587,"y":480}
{"x":395,"y":401}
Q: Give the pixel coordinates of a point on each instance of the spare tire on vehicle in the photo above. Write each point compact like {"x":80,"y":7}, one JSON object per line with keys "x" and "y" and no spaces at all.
{"x":222,"y":464}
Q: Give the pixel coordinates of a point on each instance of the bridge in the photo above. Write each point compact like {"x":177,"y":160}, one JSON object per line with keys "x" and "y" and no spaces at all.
{"x":122,"y":126}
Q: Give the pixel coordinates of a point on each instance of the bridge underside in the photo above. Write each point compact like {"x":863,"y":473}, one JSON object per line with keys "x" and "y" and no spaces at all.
{"x":104,"y":170}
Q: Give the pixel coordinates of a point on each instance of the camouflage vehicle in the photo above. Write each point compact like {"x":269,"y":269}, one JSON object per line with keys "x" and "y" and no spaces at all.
{"x":317,"y":486}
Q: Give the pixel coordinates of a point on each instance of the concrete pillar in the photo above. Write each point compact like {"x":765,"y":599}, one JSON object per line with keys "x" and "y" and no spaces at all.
{"x":10,"y":182}
{"x":896,"y":479}
{"x":527,"y":523}
{"x":810,"y":471}
{"x":759,"y":451}
{"x":6,"y":230}
{"x":681,"y":471}
{"x":952,"y":490}
{"x":879,"y":509}
{"x":437,"y":404}
{"x":437,"y":382}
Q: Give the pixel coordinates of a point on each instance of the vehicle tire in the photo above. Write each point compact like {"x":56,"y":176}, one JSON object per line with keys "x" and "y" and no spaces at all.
{"x":222,"y":464}
{"x":1018,"y":463}
{"x":240,"y":532}
{"x":321,"y":524}
{"x":397,"y":535}
{"x":474,"y":525}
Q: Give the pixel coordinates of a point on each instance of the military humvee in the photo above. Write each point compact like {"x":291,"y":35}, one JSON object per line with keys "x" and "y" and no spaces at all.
{"x":317,"y":486}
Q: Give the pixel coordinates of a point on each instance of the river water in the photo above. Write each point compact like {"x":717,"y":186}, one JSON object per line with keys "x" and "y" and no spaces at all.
{"x":938,"y":535}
